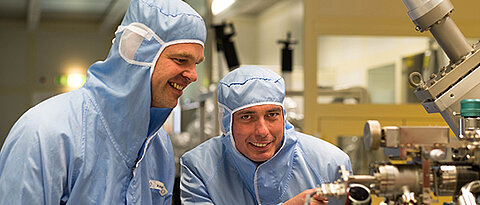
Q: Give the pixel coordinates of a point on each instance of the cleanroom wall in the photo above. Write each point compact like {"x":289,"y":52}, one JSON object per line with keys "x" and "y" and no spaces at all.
{"x":32,"y":62}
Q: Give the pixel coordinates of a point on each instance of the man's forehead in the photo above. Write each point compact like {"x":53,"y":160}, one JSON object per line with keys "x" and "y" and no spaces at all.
{"x":257,"y":108}
{"x":182,"y":46}
{"x":186,"y":50}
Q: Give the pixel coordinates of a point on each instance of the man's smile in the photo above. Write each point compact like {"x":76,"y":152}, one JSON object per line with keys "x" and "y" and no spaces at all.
{"x":259,"y":144}
{"x":176,"y":86}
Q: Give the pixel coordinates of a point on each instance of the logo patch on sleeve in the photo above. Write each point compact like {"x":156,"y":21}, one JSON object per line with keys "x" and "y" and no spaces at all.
{"x":158,"y":185}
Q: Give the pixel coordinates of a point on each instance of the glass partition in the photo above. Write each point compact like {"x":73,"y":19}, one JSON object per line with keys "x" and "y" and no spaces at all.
{"x":373,"y":69}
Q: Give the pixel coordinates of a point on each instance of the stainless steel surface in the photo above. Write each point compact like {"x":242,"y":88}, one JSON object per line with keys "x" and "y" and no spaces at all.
{"x":372,"y":133}
{"x":434,"y":16}
{"x":393,"y":178}
{"x":450,"y":38}
{"x":470,"y":129}
{"x":392,"y":136}
{"x":419,"y":135}
{"x":448,"y":180}
{"x":447,"y":77}
{"x":444,"y":90}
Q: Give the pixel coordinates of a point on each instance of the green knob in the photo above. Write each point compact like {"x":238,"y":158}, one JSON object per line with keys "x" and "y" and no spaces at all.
{"x":470,"y":108}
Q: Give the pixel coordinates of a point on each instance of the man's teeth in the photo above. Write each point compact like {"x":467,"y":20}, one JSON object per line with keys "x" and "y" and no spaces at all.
{"x":259,"y":144}
{"x":177,"y":86}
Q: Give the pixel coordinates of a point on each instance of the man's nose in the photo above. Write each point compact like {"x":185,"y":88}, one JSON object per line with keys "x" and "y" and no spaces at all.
{"x":261,"y":128}
{"x":190,"y":74}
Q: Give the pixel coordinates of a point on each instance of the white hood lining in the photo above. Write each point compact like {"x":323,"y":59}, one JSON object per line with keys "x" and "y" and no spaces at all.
{"x":143,"y":32}
{"x":147,"y":33}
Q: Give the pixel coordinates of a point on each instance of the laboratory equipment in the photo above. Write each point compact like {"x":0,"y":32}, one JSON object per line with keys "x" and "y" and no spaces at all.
{"x":444,"y":90}
{"x":425,"y":161}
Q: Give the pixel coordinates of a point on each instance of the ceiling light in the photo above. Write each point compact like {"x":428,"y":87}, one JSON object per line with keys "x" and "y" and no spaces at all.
{"x":220,"y":5}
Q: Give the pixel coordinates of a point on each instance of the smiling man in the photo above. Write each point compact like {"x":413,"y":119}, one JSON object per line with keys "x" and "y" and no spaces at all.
{"x":175,"y":69}
{"x":104,"y":143}
{"x":259,"y":158}
{"x":258,"y":131}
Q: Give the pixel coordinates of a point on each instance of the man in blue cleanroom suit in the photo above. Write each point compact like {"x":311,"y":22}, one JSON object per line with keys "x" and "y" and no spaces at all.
{"x":103,"y":143}
{"x":259,"y":158}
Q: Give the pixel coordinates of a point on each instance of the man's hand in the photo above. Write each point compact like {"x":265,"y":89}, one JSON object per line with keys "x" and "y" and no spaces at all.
{"x":299,"y":199}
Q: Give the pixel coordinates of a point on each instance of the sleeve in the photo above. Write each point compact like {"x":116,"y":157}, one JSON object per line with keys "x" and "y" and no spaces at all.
{"x":192,"y":188}
{"x":25,"y":177}
{"x":345,"y":161}
{"x":348,"y":165}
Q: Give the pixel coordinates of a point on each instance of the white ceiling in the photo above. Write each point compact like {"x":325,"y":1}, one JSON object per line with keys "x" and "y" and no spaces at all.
{"x":246,"y":7}
{"x":106,"y":13}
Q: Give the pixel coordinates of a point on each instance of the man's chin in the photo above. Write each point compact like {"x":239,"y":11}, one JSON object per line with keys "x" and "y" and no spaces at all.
{"x":258,"y":159}
{"x":171,"y":104}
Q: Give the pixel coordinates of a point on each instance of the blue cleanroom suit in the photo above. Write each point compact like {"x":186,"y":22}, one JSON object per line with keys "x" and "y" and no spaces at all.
{"x":215,"y":172}
{"x":103,"y":143}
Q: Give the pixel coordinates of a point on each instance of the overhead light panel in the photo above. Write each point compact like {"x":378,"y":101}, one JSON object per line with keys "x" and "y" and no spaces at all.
{"x":220,"y":5}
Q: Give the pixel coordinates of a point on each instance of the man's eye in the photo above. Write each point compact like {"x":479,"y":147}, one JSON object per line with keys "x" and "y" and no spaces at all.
{"x":245,"y":117}
{"x":179,"y":60}
{"x":273,"y":114}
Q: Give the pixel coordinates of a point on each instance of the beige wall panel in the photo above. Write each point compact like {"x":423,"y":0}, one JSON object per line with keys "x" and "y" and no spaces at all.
{"x":379,"y":17}
{"x":421,"y":122}
{"x":378,"y":110}
{"x":467,"y":17}
{"x":309,"y":65}
{"x":333,"y":120}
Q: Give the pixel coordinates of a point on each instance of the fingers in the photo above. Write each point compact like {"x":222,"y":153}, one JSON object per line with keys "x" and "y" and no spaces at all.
{"x":316,"y":202}
{"x":318,"y":199}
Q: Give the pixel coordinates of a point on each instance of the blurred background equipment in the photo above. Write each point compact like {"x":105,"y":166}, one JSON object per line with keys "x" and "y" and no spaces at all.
{"x":287,"y":53}
{"x":226,"y":45}
{"x":287,"y":60}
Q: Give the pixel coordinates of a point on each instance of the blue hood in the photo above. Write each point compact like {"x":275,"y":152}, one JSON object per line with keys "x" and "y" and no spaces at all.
{"x":245,"y":87}
{"x":120,"y":85}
